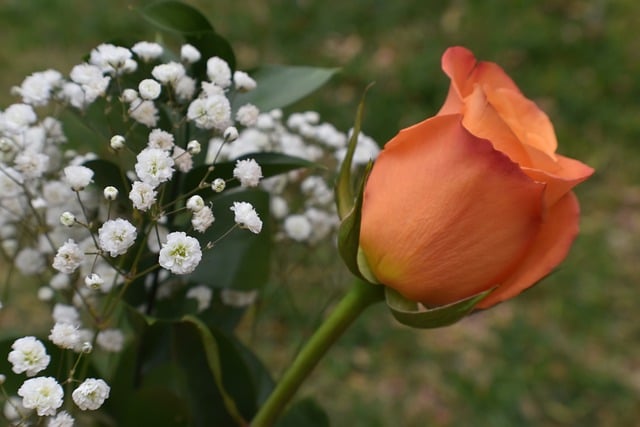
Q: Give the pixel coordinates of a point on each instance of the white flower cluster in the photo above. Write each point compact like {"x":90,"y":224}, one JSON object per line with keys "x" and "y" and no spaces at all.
{"x":311,"y":217}
{"x":58,"y":225}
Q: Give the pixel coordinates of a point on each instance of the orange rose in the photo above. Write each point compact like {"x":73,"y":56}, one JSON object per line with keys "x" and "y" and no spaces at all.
{"x":473,"y":198}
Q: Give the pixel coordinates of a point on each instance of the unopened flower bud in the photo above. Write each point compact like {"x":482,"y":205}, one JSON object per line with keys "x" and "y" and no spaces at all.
{"x":117,"y":142}
{"x":67,"y":219}
{"x":195,"y":203}
{"x":218,"y":185}
{"x":230,"y":134}
{"x":193,"y":147}
{"x":93,"y":281}
{"x":3,"y":378}
{"x":129,"y":95}
{"x":87,"y":347}
{"x":110,"y":192}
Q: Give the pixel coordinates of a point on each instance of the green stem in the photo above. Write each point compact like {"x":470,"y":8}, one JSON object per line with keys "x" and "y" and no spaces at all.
{"x":360,"y":296}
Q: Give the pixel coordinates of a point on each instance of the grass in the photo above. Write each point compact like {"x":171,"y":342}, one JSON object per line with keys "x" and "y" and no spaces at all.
{"x":563,"y":354}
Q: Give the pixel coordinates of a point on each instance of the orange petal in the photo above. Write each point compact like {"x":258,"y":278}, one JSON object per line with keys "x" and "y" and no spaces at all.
{"x":458,"y":63}
{"x":446,"y":216}
{"x":567,"y":174}
{"x":525,"y":119}
{"x":482,"y":120}
{"x":550,"y":247}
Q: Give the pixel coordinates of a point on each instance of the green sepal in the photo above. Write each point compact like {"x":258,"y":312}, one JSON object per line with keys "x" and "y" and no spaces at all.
{"x":349,"y":236}
{"x":412,"y":313}
{"x":345,"y":199}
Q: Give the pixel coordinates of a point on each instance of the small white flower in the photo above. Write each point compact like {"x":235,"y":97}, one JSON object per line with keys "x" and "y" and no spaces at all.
{"x":31,"y":164}
{"x":62,"y":419}
{"x":212,"y":112}
{"x":91,"y":394}
{"x":149,"y":89}
{"x":93,"y":83}
{"x":64,"y":335}
{"x":117,"y":142}
{"x":297,"y":227}
{"x":45,"y":293}
{"x":154,"y":166}
{"x":243,"y":81}
{"x":218,"y":185}
{"x":182,"y":159}
{"x":59,"y":281}
{"x":67,"y":219}
{"x":168,"y":73}
{"x":147,"y":50}
{"x":63,"y":313}
{"x":30,"y":261}
{"x":116,"y":236}
{"x":202,"y":294}
{"x":112,"y":59}
{"x":36,"y":88}
{"x":144,"y":112}
{"x":110,"y":192}
{"x":219,"y":72}
{"x":142,"y":195}
{"x":202,"y":219}
{"x":234,"y":298}
{"x":111,"y":340}
{"x":195,"y":203}
{"x":13,"y":409}
{"x":248,"y":172}
{"x":189,"y":54}
{"x":279,"y":207}
{"x":78,"y":177}
{"x":17,"y":118}
{"x":181,"y":254}
{"x":247,"y":217}
{"x":28,"y":355}
{"x":43,"y":394}
{"x":247,"y":115}
{"x":185,"y":88}
{"x":161,"y":139}
{"x":68,"y":258}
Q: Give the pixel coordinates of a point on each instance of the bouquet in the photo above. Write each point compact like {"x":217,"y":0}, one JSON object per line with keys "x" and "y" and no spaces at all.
{"x":144,"y":193}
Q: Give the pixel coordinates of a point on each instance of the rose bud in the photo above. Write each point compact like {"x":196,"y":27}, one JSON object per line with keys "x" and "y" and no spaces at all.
{"x":472,"y":199}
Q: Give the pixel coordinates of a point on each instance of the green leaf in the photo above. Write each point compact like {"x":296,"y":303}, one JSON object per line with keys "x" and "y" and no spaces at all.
{"x":344,"y":192}
{"x":412,"y":314}
{"x":241,"y":259}
{"x":213,"y":357}
{"x":305,"y":412}
{"x":177,"y":17}
{"x":281,"y":85}
{"x":194,"y":27}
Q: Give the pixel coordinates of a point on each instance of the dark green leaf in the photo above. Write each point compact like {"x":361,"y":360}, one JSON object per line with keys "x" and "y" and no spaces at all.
{"x":412,"y":314}
{"x":177,"y":17}
{"x":194,"y":27}
{"x":280,"y":85}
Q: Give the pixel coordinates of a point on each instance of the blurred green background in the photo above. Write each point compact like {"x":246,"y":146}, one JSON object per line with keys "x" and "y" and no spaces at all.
{"x":563,"y":354}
